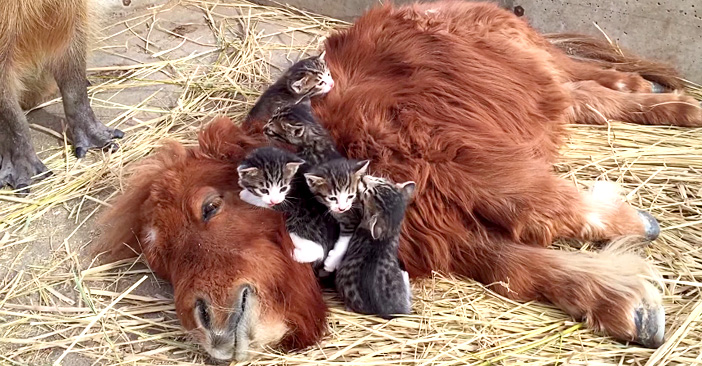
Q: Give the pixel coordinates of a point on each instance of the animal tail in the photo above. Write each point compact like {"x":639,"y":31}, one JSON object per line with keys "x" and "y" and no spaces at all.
{"x":604,"y":54}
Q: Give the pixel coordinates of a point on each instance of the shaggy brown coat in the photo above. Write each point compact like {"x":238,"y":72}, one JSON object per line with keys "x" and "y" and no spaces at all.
{"x":469,"y":102}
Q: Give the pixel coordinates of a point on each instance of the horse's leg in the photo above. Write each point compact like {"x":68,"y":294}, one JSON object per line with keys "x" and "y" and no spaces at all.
{"x":627,"y":82}
{"x":595,"y":104}
{"x":606,"y":290}
{"x":541,"y":207}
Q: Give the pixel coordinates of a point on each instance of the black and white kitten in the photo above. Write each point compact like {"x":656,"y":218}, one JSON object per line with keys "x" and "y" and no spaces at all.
{"x":273,"y":178}
{"x":296,"y":125}
{"x":370,"y":278}
{"x":335,"y":184}
{"x":305,"y":79}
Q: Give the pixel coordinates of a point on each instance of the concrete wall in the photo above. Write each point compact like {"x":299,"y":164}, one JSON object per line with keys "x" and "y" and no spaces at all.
{"x":664,"y":30}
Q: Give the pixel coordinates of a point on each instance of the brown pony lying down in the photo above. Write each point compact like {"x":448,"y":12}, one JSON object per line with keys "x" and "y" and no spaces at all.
{"x":469,"y":102}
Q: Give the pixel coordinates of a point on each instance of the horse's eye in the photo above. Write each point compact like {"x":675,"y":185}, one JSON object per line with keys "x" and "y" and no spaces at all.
{"x":209,"y":209}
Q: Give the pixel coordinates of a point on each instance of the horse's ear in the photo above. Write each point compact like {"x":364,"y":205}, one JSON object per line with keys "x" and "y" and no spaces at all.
{"x":224,"y":140}
{"x":122,"y":225}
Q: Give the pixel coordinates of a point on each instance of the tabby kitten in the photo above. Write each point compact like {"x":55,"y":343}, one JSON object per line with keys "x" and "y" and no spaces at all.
{"x":335,"y":184}
{"x":296,"y":125}
{"x":272,"y":178}
{"x":306,"y":78}
{"x":370,"y":278}
{"x":266,"y":176}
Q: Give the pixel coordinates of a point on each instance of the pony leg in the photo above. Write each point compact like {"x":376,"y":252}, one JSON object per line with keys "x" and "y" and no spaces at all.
{"x":627,"y":82}
{"x":596,"y":104}
{"x":543,"y":207}
{"x":606,"y":290}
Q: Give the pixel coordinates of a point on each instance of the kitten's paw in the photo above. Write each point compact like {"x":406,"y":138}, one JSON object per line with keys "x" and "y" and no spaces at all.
{"x":405,"y":278}
{"x":306,"y":251}
{"x":308,"y":254}
{"x":332,"y":261}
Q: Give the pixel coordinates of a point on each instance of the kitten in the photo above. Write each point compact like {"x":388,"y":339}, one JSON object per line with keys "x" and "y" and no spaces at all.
{"x":273,"y":178}
{"x":370,"y":278}
{"x":307,"y":78}
{"x":296,"y":125}
{"x":335,"y":184}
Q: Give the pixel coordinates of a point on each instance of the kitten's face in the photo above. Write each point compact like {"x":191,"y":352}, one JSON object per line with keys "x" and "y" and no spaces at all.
{"x":335,"y":183}
{"x":286,"y":129}
{"x":383,"y":203}
{"x":268,"y":174}
{"x":295,"y":126}
{"x":310,"y":77}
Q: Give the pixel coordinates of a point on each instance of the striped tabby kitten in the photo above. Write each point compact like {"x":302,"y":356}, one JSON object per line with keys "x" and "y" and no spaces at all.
{"x":335,"y":184}
{"x":272,"y":178}
{"x":296,"y":125}
{"x":370,"y":278}
{"x":307,"y":78}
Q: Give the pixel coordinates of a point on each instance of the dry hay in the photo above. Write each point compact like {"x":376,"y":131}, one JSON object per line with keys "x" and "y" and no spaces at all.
{"x":64,"y":307}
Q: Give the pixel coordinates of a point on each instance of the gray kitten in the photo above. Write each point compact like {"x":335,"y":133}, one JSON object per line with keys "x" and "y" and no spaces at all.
{"x":306,"y":78}
{"x":296,"y":125}
{"x":370,"y":278}
{"x":335,"y":184}
{"x":272,"y":178}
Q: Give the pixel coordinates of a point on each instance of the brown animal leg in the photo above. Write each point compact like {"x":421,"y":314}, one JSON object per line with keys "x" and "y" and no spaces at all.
{"x":18,"y":160}
{"x":37,"y":88}
{"x":627,"y":82}
{"x":595,"y":104}
{"x":606,"y":289}
{"x":601,"y":214}
{"x":69,"y":72}
{"x":543,"y":207}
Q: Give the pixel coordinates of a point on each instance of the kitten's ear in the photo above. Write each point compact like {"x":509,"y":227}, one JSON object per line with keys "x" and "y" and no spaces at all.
{"x":321,"y":56}
{"x":361,"y":167}
{"x":297,"y":85}
{"x":291,"y":168}
{"x":313,"y":180}
{"x":376,"y":227}
{"x":369,"y":180}
{"x":247,"y":171}
{"x":407,"y":188}
{"x":294,"y":130}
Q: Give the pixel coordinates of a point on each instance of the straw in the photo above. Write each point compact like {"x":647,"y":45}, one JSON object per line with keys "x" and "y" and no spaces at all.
{"x":62,"y":307}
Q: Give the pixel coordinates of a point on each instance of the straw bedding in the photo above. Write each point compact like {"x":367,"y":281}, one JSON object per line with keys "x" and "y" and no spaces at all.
{"x":60,"y":306}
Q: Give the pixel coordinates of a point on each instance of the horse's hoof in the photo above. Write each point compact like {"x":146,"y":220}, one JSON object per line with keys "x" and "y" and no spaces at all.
{"x":111,"y":147}
{"x":651,"y":227}
{"x":650,"y":325}
{"x":81,"y":152}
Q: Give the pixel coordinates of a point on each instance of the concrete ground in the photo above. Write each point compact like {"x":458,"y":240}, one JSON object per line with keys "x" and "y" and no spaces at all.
{"x":669,"y":31}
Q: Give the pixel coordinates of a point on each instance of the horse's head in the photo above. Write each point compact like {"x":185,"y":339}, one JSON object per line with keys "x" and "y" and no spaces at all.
{"x":236,"y":287}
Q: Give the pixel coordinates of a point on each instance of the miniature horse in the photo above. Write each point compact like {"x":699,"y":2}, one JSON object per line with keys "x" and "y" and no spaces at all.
{"x":469,"y":102}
